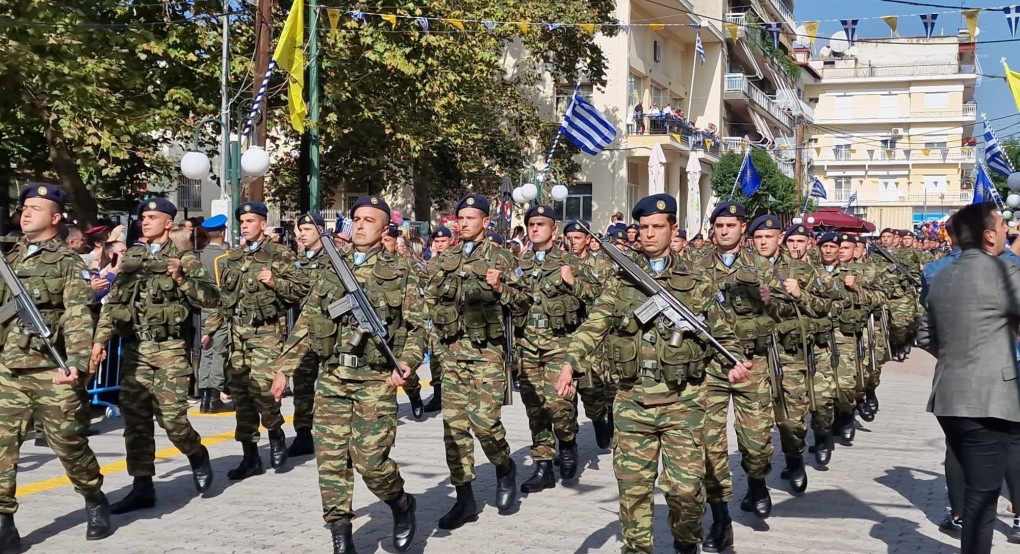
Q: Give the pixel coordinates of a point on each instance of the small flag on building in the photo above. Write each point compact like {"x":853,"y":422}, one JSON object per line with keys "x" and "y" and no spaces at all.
{"x":1012,"y":18}
{"x":586,"y":127}
{"x":818,"y":190}
{"x":699,"y":48}
{"x":774,"y":29}
{"x":928,"y":20}
{"x":850,"y":202}
{"x":850,"y":28}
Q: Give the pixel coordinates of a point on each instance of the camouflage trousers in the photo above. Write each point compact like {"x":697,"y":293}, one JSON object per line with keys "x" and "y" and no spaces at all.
{"x":752,"y":407}
{"x":597,"y":399}
{"x":874,"y":376}
{"x":903,"y":313}
{"x":793,"y":430}
{"x":253,"y":362}
{"x":846,"y":373}
{"x":28,"y":393}
{"x":154,"y":381}
{"x":304,"y":390}
{"x":825,"y":393}
{"x":212,"y":366}
{"x":355,"y":428}
{"x":472,"y":404}
{"x":550,"y":416}
{"x":642,"y":433}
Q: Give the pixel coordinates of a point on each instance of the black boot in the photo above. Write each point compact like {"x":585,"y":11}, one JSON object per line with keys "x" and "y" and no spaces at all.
{"x":603,"y":430}
{"x":404,"y":523}
{"x":216,"y":406}
{"x":302,"y":445}
{"x":277,"y":448}
{"x":720,"y":535}
{"x":568,"y":460}
{"x":251,"y":463}
{"x":872,"y":401}
{"x":464,"y":510}
{"x":847,"y":429}
{"x":97,"y":517}
{"x":542,"y":479}
{"x":204,"y":399}
{"x":142,"y":495}
{"x":823,"y":448}
{"x":436,"y":403}
{"x":506,"y":486}
{"x":684,"y":548}
{"x":865,"y":410}
{"x":762,"y":499}
{"x":343,"y":541}
{"x":201,"y":469}
{"x":417,"y":406}
{"x":10,"y":539}
{"x":796,"y":474}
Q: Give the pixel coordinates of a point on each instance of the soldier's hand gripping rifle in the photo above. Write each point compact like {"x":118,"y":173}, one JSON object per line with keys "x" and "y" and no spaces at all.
{"x":661,"y":301}
{"x":356,"y":303}
{"x":21,"y":305}
{"x":896,"y":263}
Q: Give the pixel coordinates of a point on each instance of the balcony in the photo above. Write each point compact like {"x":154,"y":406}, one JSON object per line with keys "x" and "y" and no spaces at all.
{"x":738,"y":19}
{"x":965,"y":110}
{"x":784,"y":11}
{"x":870,"y":72}
{"x":738,"y":86}
{"x":787,"y":168}
{"x":896,"y":196}
{"x":677,"y":129}
{"x":861,"y":156}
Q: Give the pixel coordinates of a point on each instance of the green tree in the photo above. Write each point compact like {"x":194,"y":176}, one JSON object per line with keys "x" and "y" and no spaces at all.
{"x":777,"y":195}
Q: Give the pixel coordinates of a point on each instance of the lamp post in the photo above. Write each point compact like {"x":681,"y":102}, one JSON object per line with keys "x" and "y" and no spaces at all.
{"x":532,"y":189}
{"x":253,"y":163}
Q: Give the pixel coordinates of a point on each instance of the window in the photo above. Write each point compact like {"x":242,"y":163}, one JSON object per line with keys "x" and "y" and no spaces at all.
{"x":189,"y":194}
{"x":935,"y":145}
{"x":842,"y":151}
{"x":633,"y":183}
{"x":634,"y":92}
{"x":660,"y":96}
{"x":578,"y":204}
{"x":841,"y":189}
{"x":564,"y":95}
{"x":888,"y":149}
{"x":936,"y":99}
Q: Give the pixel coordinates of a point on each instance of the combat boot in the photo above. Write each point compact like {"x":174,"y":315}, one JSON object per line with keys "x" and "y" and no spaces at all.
{"x":97,"y":517}
{"x":277,"y":448}
{"x":216,"y":405}
{"x":142,"y":495}
{"x":10,"y":539}
{"x":684,"y":548}
{"x":542,"y":479}
{"x":506,"y":486}
{"x":847,"y":429}
{"x":343,"y":541}
{"x":436,"y":403}
{"x":865,"y":410}
{"x":720,"y":535}
{"x":823,"y":448}
{"x":464,"y":510}
{"x":872,"y":400}
{"x":204,"y":399}
{"x":417,"y":406}
{"x":251,"y":463}
{"x":568,"y":460}
{"x":604,"y":430}
{"x":796,"y":474}
{"x":201,"y":468}
{"x":404,"y":522}
{"x":302,"y":445}
{"x":757,"y":499}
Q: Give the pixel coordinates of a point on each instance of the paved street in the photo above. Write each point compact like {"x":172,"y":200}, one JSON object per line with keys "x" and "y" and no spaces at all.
{"x":885,"y":494}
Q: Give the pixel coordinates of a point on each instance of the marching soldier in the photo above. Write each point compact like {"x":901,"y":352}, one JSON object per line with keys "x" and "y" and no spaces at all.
{"x":660,"y":405}
{"x":901,"y":296}
{"x":835,"y":275}
{"x":148,"y":306}
{"x":212,"y":376}
{"x":356,"y":397}
{"x":472,"y":285}
{"x":259,"y":280}
{"x":31,"y":385}
{"x":442,"y":237}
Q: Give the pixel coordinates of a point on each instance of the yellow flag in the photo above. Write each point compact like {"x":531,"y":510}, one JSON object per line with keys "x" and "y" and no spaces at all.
{"x":818,"y":151}
{"x":524,"y":27}
{"x":926,"y":151}
{"x":970,"y":17}
{"x":656,"y":26}
{"x":590,"y":27}
{"x":1013,"y":78}
{"x":391,"y":18}
{"x":334,"y":17}
{"x":811,"y":28}
{"x":290,"y":58}
{"x":732,"y":29}
{"x":892,"y":21}
{"x":708,"y":143}
{"x":677,"y":138}
{"x":456,"y":23}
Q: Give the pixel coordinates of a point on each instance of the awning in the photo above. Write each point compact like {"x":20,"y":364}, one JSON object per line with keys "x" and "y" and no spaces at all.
{"x":761,"y":125}
{"x":835,"y":219}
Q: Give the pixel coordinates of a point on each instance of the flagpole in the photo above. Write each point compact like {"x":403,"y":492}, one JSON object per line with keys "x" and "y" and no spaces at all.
{"x":556,"y":141}
{"x":690,"y":91}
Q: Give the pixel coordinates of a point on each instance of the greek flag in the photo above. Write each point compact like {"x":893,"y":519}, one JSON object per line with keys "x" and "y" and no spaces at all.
{"x":1012,"y":18}
{"x":818,"y":190}
{"x":994,"y":156}
{"x":345,"y":228}
{"x":850,"y":28}
{"x":850,"y":202}
{"x":586,"y":127}
{"x":699,"y":48}
{"x":928,"y":20}
{"x":774,"y":29}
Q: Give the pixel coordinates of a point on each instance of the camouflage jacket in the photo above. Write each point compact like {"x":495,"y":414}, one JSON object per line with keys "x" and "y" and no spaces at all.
{"x":555,"y":308}
{"x":597,"y":268}
{"x":811,"y":322}
{"x":58,"y":283}
{"x":391,"y":284}
{"x":144,"y":301}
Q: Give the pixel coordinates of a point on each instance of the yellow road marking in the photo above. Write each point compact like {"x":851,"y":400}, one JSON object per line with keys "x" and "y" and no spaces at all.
{"x":164,"y":454}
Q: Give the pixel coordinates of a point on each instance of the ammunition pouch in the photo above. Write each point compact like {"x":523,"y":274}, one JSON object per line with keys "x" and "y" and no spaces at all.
{"x":259,"y":308}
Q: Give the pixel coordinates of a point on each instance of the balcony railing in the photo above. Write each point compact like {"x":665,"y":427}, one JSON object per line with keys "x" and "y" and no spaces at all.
{"x":932,"y":198}
{"x":786,"y":12}
{"x":965,"y":110}
{"x":737,"y":82}
{"x":787,"y":168}
{"x":682,"y":131}
{"x":861,"y":155}
{"x":738,"y":19}
{"x":894,"y":71}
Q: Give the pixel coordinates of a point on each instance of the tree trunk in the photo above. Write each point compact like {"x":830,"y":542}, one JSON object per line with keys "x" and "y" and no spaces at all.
{"x":66,"y":168}
{"x":422,"y":187}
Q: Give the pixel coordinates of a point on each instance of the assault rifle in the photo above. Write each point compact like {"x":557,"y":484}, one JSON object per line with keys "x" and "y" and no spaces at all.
{"x":896,"y":263}
{"x":21,"y":305}
{"x":776,"y":378}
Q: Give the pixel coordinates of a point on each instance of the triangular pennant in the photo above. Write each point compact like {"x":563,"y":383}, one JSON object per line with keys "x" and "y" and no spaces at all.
{"x":926,"y":152}
{"x":1012,"y":14}
{"x":455,"y":23}
{"x":489,"y":25}
{"x":818,"y":151}
{"x":656,"y":26}
{"x":906,"y":153}
{"x":358,"y":15}
{"x":853,"y":150}
{"x":623,"y":28}
{"x":709,"y":143}
{"x":732,"y":29}
{"x":391,"y":18}
{"x":850,"y":28}
{"x":811,"y":29}
{"x":553,"y":26}
{"x":945,"y":154}
{"x":524,"y":27}
{"x":928,"y":20}
{"x":890,"y":153}
{"x":871,"y":154}
{"x":677,"y":138}
{"x":970,"y":17}
{"x":590,"y":27}
{"x":422,"y":22}
{"x":334,"y":18}
{"x":892,"y":21}
{"x":774,"y":29}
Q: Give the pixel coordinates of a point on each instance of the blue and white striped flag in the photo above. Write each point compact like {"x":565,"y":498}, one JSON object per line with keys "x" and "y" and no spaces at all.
{"x":345,"y":228}
{"x":699,"y":48}
{"x":1012,"y":18}
{"x":850,"y":28}
{"x":850,"y":202}
{"x":818,"y":190}
{"x":586,"y":127}
{"x":774,"y":29}
{"x":928,"y":20}
{"x":982,"y":187}
{"x":994,"y":156}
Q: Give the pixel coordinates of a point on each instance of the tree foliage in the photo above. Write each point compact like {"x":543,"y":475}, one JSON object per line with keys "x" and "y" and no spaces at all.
{"x":777,"y":195}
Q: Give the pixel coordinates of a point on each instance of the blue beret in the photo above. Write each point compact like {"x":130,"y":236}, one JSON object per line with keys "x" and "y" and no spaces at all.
{"x":252,"y":207}
{"x":798,"y":229}
{"x":888,"y":230}
{"x":634,"y":226}
{"x":161,"y":205}
{"x":654,"y":204}
{"x":831,"y":236}
{"x":494,"y":237}
{"x":848,"y":237}
{"x":765,"y":223}
{"x":729,"y":208}
{"x":392,"y":230}
{"x":371,"y":201}
{"x":311,"y":219}
{"x":682,"y":234}
{"x":618,"y":233}
{"x":215,"y":222}
{"x":540,"y":211}
{"x":472,"y":201}
{"x":44,"y":190}
{"x":699,"y":236}
{"x":442,"y":231}
{"x":571,"y":227}
{"x":920,"y":236}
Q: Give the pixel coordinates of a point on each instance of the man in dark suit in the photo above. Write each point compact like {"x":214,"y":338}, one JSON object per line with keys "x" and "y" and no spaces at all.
{"x":973,"y":311}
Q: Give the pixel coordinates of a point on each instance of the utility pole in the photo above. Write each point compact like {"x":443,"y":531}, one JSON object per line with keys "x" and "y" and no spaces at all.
{"x":313,"y":105}
{"x":798,"y":159}
{"x":263,"y":37}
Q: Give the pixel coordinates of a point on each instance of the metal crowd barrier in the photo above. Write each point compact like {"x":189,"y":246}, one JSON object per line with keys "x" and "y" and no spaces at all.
{"x":107,"y":379}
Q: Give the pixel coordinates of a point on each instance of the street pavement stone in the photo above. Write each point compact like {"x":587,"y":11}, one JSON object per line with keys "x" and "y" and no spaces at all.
{"x":884,"y":494}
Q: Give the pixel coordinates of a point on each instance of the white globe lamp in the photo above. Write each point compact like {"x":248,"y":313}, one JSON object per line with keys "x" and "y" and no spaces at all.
{"x":1013,"y":200}
{"x":195,"y":165}
{"x":255,"y":161}
{"x":1013,"y":181}
{"x":529,"y":191}
{"x":559,"y":193}
{"x":1006,"y":214}
{"x":518,"y":195}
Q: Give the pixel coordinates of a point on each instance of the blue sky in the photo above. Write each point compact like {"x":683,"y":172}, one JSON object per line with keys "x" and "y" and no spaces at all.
{"x":992,"y":96}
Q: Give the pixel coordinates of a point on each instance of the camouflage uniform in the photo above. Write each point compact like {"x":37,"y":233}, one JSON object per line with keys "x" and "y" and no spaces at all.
{"x":901,"y":295}
{"x":413,"y":385}
{"x":597,"y":399}
{"x":52,"y":276}
{"x":149,"y":311}
{"x":258,"y":320}
{"x":308,"y":370}
{"x":881,"y":281}
{"x":355,"y":410}
{"x":660,"y":403}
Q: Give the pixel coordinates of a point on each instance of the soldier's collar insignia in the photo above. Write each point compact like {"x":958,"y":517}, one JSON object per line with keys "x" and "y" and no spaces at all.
{"x":32,"y":249}
{"x":253,"y":246}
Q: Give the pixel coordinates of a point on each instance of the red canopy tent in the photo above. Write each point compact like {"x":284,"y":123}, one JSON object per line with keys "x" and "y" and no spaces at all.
{"x":834,"y":217}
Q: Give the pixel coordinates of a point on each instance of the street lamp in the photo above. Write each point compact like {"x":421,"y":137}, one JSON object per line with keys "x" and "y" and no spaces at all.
{"x":532,"y":189}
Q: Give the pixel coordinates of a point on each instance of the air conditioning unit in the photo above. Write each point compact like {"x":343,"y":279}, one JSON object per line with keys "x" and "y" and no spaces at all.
{"x":898,"y":132}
